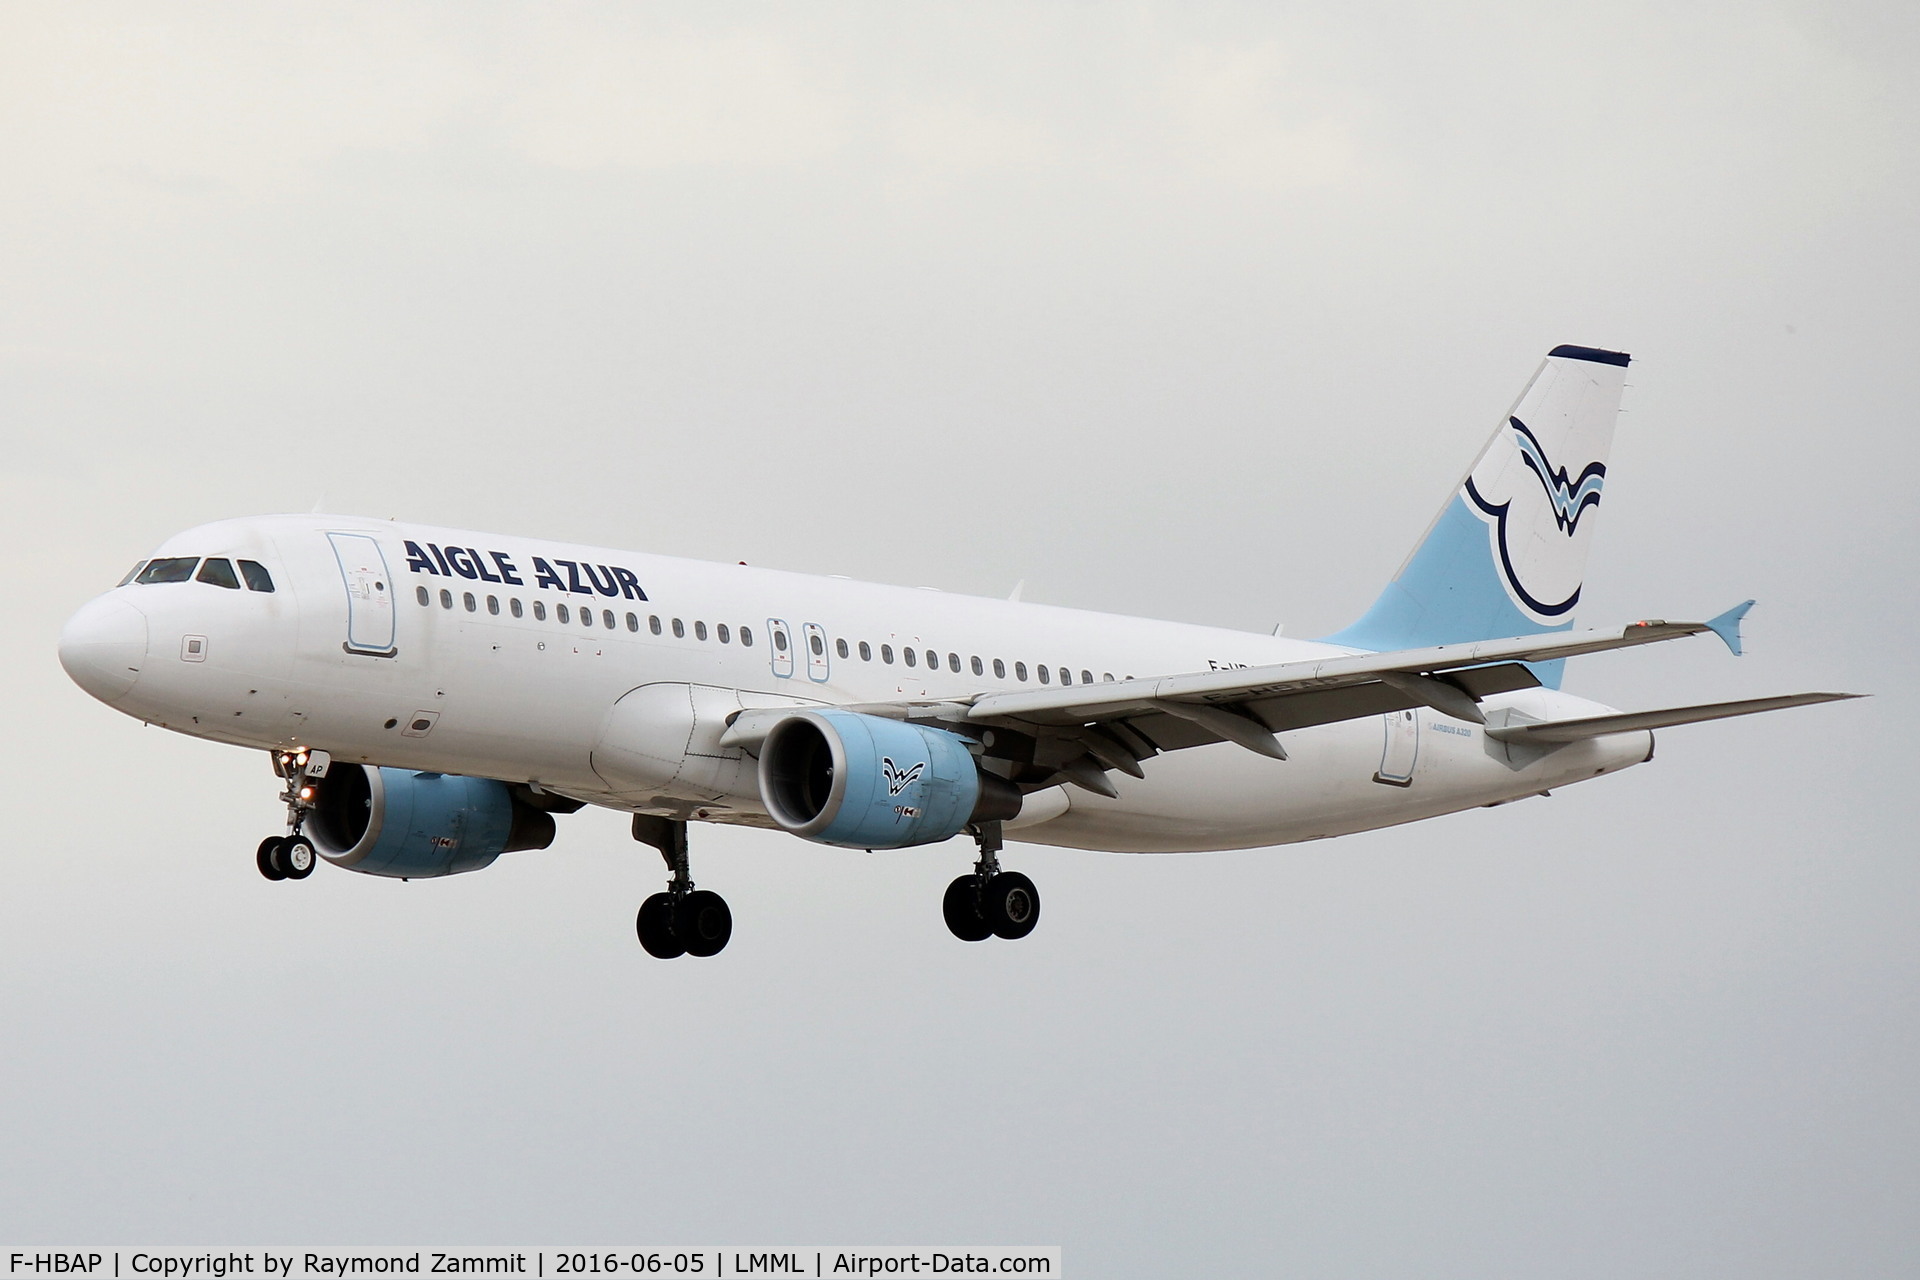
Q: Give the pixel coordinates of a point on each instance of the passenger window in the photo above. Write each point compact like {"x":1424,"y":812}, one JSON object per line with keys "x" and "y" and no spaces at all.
{"x":132,"y":574}
{"x":840,"y":647}
{"x":586,"y":617}
{"x":172,"y":569}
{"x":420,"y":594}
{"x":1066,"y":676}
{"x":699,"y":631}
{"x":219,"y":573}
{"x":493,"y":605}
{"x":258,"y":579}
{"x":539,"y":610}
{"x":633,"y":623}
{"x":913,"y":659}
{"x":933,"y":660}
{"x":446,"y":598}
{"x":977,"y":668}
{"x":779,"y":640}
{"x":560,"y":612}
{"x":1019,"y":671}
{"x":999,"y":669}
{"x":866,"y":652}
{"x":886,"y":654}
{"x":722,"y":634}
{"x":746,"y":637}
{"x":513,"y":606}
{"x":1041,"y":670}
{"x":953,"y":662}
{"x":467,"y":599}
{"x":679,"y":629}
{"x":1086,"y":677}
{"x":819,"y":646}
{"x":1107,"y":676}
{"x":653,"y":624}
{"x":606,"y":619}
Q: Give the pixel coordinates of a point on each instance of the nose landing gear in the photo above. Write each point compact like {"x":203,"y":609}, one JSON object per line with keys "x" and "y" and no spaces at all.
{"x":683,"y":920}
{"x":990,"y":903}
{"x":292,"y":856}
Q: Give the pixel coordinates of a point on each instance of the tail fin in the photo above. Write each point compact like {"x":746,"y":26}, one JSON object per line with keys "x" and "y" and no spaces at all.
{"x":1507,"y":554}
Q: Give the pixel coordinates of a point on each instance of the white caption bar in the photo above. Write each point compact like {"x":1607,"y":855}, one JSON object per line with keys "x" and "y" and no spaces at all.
{"x":709,"y":1262}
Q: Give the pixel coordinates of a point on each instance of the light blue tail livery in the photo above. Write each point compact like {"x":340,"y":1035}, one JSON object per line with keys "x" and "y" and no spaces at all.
{"x":1507,"y":554}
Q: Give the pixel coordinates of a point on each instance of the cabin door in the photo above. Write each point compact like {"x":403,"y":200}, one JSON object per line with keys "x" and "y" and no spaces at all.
{"x":816,"y":652}
{"x":780,"y":647}
{"x":370,"y":624}
{"x":1402,"y":748}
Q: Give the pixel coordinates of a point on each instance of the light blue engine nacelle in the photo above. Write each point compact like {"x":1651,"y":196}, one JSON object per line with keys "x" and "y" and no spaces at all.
{"x":864,"y":782}
{"x":395,"y":822}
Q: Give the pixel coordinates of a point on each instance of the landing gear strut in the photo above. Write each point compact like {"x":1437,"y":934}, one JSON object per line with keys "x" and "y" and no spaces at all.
{"x":683,"y":920}
{"x":292,"y":856}
{"x":990,"y":902}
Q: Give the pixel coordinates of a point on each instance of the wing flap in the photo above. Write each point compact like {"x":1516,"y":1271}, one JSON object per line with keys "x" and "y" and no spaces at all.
{"x":1558,"y":731}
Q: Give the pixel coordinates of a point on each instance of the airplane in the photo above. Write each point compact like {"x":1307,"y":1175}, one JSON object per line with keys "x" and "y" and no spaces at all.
{"x":434,"y":698}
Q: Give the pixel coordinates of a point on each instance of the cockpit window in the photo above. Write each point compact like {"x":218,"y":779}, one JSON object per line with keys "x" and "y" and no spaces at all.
{"x":258,"y":579}
{"x":218,"y":572}
{"x":131,"y":573}
{"x":171,"y":569}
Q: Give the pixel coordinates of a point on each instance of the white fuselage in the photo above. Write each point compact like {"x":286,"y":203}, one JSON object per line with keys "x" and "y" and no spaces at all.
{"x":473,"y":682}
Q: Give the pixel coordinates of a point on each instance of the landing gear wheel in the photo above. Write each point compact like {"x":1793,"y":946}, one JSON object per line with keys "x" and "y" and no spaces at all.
{"x":265,"y":860}
{"x":654,"y":924}
{"x":961,"y":907}
{"x":296,"y":857}
{"x":704,"y":922}
{"x":1010,"y":904}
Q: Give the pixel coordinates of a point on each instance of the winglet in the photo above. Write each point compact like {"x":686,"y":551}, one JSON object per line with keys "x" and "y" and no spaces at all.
{"x":1727,"y":625}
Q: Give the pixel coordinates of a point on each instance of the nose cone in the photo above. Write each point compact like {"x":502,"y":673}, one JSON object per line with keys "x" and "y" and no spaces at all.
{"x":103,"y":647}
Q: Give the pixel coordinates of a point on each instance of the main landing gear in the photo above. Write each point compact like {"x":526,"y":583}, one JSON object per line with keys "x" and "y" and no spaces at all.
{"x":292,"y":856}
{"x":683,"y":920}
{"x":991,"y":902}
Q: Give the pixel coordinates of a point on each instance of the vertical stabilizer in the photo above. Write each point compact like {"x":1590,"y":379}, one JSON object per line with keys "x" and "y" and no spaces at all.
{"x":1507,"y":554}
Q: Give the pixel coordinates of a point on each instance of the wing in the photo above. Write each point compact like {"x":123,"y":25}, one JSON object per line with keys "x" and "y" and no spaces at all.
{"x":1077,"y":733}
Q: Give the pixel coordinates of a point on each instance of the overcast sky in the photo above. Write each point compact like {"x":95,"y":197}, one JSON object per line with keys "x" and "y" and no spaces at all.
{"x":1195,"y":311}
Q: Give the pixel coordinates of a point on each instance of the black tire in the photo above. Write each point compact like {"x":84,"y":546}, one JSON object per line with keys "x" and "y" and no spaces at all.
{"x":961,"y":907}
{"x":265,"y":860}
{"x":704,"y":922}
{"x":296,"y":857}
{"x":1011,"y":905}
{"x":654,"y":924}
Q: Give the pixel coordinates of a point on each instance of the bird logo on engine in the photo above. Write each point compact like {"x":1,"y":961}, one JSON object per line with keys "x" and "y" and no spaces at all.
{"x":899,"y":780}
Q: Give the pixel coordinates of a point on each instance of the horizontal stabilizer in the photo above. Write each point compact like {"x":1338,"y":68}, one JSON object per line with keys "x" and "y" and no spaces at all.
{"x":1626,"y":722}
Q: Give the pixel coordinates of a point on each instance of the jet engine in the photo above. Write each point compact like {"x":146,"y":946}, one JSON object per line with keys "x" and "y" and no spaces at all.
{"x":865,"y":782}
{"x":396,"y":822}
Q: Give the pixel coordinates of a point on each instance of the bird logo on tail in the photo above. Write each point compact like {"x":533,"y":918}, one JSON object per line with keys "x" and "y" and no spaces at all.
{"x":1542,"y":577}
